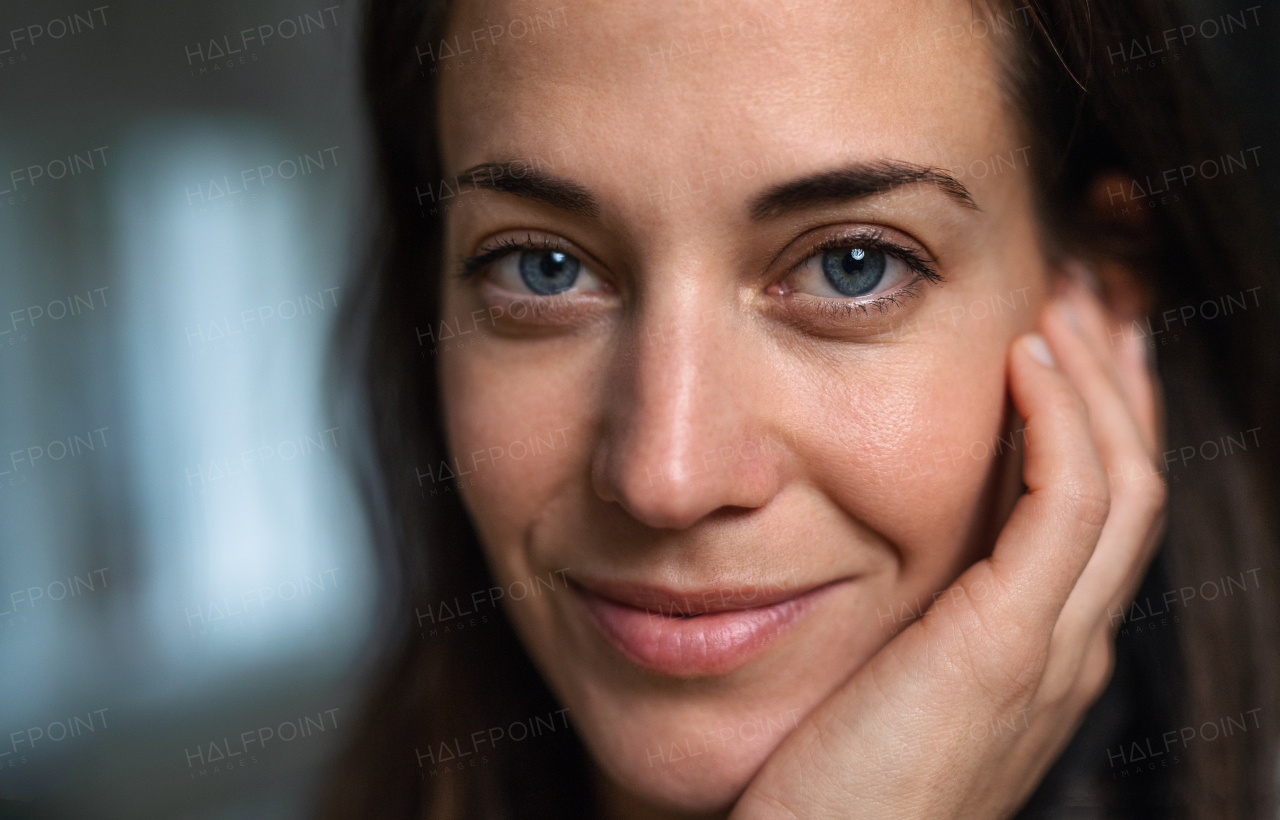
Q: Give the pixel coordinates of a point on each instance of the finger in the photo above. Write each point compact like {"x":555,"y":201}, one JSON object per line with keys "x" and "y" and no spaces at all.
{"x":1128,"y":357}
{"x":1114,"y":428}
{"x":1091,"y":319}
{"x":1074,"y":680}
{"x":1054,"y":527}
{"x":1137,"y":373}
{"x":1123,"y":357}
{"x":1137,"y":489}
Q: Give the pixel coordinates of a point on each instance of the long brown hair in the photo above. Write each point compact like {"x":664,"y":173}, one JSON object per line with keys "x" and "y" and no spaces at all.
{"x":1087,"y":112}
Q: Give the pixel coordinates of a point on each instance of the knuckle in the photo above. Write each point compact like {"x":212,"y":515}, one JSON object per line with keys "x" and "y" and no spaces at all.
{"x":1088,"y":502}
{"x":1149,"y":495}
{"x":1067,"y":403}
{"x":1054,"y":695}
{"x":1156,"y":494}
{"x":1077,"y":692}
{"x":1096,"y":674}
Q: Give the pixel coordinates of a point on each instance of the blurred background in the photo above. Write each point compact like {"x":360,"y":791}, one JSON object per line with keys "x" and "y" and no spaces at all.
{"x":184,"y":566}
{"x":183,"y":192}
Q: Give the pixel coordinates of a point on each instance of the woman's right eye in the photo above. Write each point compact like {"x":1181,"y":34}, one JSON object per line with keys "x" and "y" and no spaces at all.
{"x":544,"y":272}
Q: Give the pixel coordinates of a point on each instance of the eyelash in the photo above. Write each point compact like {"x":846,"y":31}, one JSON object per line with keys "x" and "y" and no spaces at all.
{"x":470,"y":266}
{"x":924,"y":267}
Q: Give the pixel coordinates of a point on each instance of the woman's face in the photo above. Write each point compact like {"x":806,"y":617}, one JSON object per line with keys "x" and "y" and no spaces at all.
{"x":729,"y":355}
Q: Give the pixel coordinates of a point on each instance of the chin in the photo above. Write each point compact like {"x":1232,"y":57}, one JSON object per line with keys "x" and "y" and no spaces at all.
{"x":675,"y":767}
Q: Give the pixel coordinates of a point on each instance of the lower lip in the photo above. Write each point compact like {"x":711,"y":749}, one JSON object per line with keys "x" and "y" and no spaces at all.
{"x":711,"y":644}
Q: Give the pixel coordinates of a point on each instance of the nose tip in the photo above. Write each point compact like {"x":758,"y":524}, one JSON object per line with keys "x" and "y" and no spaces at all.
{"x":670,"y":493}
{"x":670,"y":481}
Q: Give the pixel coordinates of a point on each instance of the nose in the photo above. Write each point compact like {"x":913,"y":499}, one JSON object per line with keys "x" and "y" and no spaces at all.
{"x":688,"y":428}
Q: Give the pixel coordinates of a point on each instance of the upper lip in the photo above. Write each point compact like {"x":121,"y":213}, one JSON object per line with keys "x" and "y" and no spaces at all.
{"x":723,"y":597}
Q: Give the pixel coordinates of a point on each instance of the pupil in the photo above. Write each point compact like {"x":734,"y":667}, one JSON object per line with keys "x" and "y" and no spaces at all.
{"x":854,"y":271}
{"x":548,"y":272}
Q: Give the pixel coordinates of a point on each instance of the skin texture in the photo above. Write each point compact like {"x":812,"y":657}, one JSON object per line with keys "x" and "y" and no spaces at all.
{"x":714,"y":428}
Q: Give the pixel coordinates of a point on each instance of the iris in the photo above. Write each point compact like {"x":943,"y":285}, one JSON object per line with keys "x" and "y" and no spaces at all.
{"x":548,"y":272}
{"x":854,"y":271}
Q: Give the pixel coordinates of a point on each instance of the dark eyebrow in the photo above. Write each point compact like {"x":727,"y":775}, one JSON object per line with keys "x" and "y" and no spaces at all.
{"x":853,"y":182}
{"x":533,"y":183}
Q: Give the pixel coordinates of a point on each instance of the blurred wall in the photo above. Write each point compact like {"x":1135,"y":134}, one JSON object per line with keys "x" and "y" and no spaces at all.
{"x":182,"y":558}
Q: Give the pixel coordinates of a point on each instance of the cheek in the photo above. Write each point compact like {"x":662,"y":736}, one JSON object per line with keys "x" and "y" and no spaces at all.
{"x":515,"y":421}
{"x":907,"y":449}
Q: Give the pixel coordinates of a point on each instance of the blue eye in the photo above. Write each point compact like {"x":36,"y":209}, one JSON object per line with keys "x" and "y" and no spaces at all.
{"x":861,"y":269}
{"x":533,"y":269}
{"x":548,"y":272}
{"x":854,"y":271}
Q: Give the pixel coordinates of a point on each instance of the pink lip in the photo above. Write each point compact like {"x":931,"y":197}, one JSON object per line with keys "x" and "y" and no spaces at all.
{"x":646,"y":625}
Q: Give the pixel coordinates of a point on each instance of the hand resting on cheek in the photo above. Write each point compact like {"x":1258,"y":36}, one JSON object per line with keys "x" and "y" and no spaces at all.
{"x":1021,"y":641}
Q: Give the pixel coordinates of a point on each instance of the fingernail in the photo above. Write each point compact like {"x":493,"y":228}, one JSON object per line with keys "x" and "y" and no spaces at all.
{"x":1035,"y":345}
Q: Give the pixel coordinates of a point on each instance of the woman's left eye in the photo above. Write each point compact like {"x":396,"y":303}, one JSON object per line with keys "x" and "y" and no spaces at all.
{"x":849,"y":272}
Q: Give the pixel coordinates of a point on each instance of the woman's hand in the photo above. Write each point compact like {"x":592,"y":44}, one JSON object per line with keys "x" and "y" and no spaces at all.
{"x":962,"y":713}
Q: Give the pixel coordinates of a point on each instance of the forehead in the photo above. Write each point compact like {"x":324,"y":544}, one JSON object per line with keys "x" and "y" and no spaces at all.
{"x":668,"y":88}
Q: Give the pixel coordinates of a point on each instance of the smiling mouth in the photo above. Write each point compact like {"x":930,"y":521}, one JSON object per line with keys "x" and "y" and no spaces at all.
{"x":695,"y":634}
